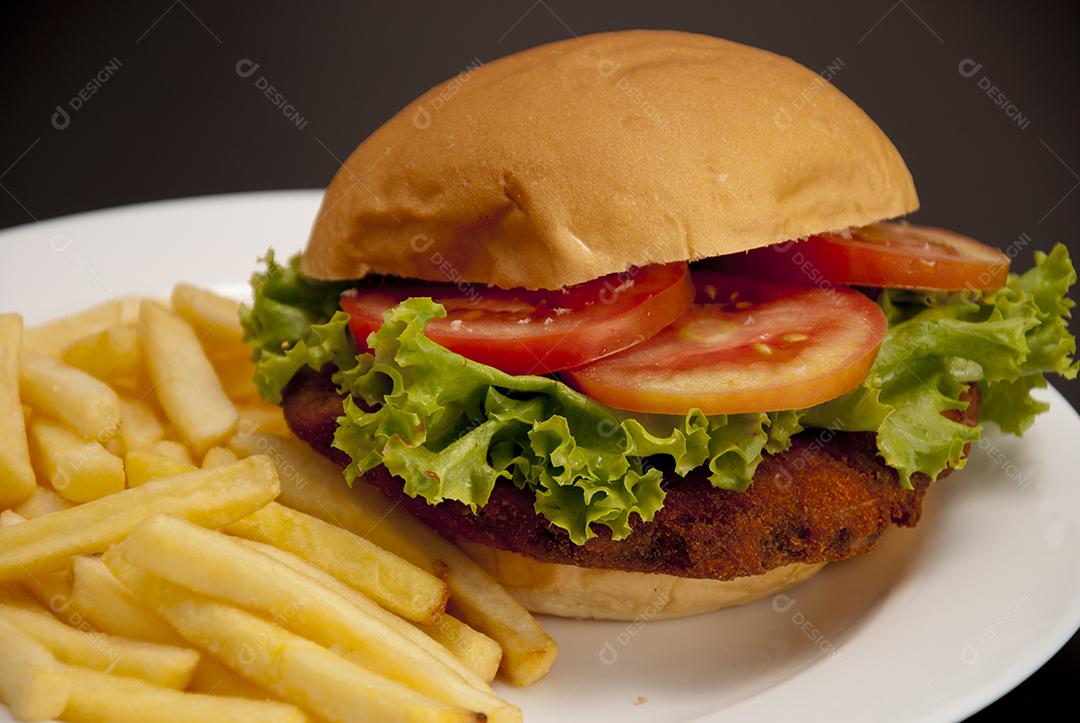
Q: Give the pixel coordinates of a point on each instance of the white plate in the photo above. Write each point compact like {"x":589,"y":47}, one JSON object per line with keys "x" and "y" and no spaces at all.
{"x":933,"y":625}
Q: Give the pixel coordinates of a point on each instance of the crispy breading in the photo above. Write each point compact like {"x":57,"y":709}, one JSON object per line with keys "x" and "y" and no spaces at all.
{"x":828,"y":497}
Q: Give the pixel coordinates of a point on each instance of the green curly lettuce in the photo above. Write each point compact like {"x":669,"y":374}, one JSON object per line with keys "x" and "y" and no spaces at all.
{"x":450,"y":428}
{"x":293,"y":322}
{"x":940,"y":343}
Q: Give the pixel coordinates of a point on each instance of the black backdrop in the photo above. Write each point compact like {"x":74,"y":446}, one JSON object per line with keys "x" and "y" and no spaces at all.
{"x":109,"y":105}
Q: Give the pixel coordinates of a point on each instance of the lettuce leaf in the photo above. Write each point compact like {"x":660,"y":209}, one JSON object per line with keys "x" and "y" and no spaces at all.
{"x":293,"y":322}
{"x":937,"y":344}
{"x":450,"y":428}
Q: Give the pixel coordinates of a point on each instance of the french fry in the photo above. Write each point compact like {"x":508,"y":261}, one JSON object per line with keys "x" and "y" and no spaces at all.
{"x":402,"y":627}
{"x":53,"y":337}
{"x":79,"y":470}
{"x":314,"y":485}
{"x":87,"y":405}
{"x":51,"y":589}
{"x":99,"y":597}
{"x":184,"y":380}
{"x":210,"y":563}
{"x":102,"y":600}
{"x":111,"y":355}
{"x":16,"y":475}
{"x":236,"y":373}
{"x":163,"y":665}
{"x":97,"y":697}
{"x":42,"y":502}
{"x":142,"y":467}
{"x":397,"y":585}
{"x":13,"y":593}
{"x":218,"y":457}
{"x":297,"y":670}
{"x":476,"y":650}
{"x":32,"y":684}
{"x":259,"y":417}
{"x":214,"y":498}
{"x":174,"y":450}
{"x":140,"y":427}
{"x":215,"y":319}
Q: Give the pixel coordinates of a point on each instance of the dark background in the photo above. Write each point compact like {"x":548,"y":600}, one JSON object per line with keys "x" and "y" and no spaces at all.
{"x":174,"y":118}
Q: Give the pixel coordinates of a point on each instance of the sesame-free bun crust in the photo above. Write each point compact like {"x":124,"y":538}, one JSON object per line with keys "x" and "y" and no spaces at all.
{"x":592,"y":593}
{"x":583,"y":157}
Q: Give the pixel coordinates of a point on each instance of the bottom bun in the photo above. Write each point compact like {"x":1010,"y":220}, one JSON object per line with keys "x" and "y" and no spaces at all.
{"x":584,"y":592}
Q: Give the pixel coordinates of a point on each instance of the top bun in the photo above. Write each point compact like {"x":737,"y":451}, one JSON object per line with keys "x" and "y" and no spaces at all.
{"x":584,"y":157}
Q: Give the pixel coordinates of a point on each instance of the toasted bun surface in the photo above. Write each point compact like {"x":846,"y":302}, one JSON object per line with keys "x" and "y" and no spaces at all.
{"x":583,"y":592}
{"x":583,"y":157}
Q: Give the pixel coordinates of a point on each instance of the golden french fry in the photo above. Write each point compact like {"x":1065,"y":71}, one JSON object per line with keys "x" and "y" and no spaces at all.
{"x":297,"y":670}
{"x":42,"y":502}
{"x":102,"y":600}
{"x":212,"y":564}
{"x":51,"y":589}
{"x":111,"y":355}
{"x":13,"y":593}
{"x":97,"y":697}
{"x":184,"y":380}
{"x":32,"y":684}
{"x":236,"y":373}
{"x":163,"y":665}
{"x":99,"y":597}
{"x":114,"y":447}
{"x":262,"y":418}
{"x":79,"y":470}
{"x":16,"y":475}
{"x":402,"y":627}
{"x":397,"y":585}
{"x":87,"y":405}
{"x":314,"y":485}
{"x":218,"y":457}
{"x":143,"y":467}
{"x":53,"y":337}
{"x":476,"y":650}
{"x":174,"y":450}
{"x":215,"y":319}
{"x":213,"y":497}
{"x":140,"y":427}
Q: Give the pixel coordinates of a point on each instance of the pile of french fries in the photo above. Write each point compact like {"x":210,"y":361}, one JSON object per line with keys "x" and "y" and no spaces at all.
{"x":168,"y":552}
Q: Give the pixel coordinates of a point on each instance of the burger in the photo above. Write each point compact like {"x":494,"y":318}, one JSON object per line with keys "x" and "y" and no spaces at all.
{"x":630,"y":318}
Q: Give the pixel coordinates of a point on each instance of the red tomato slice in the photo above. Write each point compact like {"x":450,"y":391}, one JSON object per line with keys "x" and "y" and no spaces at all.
{"x":745,"y":346}
{"x":888,"y":255}
{"x":538,"y":332}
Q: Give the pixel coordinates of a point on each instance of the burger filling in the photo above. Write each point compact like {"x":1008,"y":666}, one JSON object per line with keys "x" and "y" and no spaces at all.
{"x":585,"y":402}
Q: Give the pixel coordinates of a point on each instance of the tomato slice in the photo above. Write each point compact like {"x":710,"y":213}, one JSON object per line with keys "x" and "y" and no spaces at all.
{"x":889,"y":255}
{"x":745,"y":346}
{"x":537,"y":332}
